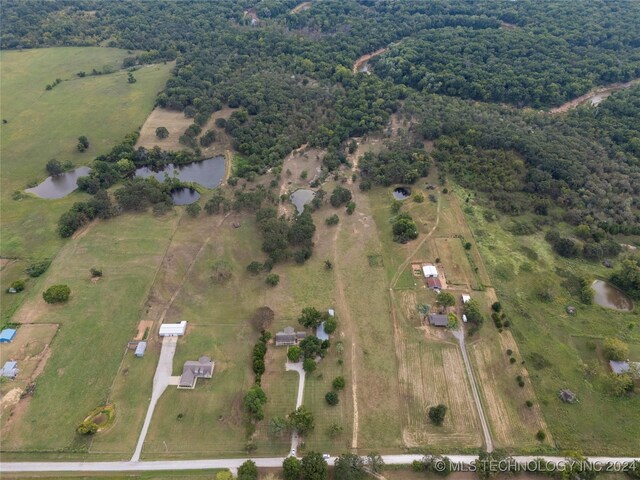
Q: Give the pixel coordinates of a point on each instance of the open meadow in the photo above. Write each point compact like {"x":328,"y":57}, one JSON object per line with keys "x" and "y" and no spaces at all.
{"x":45,"y":124}
{"x":536,"y":286}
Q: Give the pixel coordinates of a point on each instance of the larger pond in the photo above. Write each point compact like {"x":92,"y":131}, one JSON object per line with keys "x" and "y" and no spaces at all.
{"x":59,"y":186}
{"x":608,"y":296}
{"x":301,"y":197}
{"x":208,"y":173}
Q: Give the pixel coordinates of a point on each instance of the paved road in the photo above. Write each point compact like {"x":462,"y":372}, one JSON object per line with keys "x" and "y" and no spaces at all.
{"x":161,"y":381}
{"x":297,"y":367}
{"x":234,"y":463}
{"x":459,"y":334}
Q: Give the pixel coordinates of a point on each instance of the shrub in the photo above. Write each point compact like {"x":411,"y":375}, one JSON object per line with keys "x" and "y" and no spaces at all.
{"x":208,"y":138}
{"x":351,"y":207}
{"x":404,"y":228}
{"x":162,"y":132}
{"x":338,"y":383}
{"x":54,"y":167}
{"x":437,"y":414}
{"x":87,"y":428}
{"x":496,"y":307}
{"x":254,"y":268}
{"x":340,"y":196}
{"x":330,"y":325}
{"x":332,"y":220}
{"x":57,"y":294}
{"x":615,"y":349}
{"x":38,"y":268}
{"x":541,"y":435}
{"x":332,"y":398}
{"x":309,"y":365}
{"x":17,"y":286}
{"x":272,"y":279}
{"x":96,"y":272}
{"x":418,"y":198}
{"x":529,"y":403}
{"x":512,"y":360}
{"x":193,"y":209}
{"x":294,"y":353}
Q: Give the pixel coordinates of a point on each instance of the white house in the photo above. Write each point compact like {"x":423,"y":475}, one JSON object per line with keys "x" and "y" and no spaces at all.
{"x":429,"y":271}
{"x":465,"y":298}
{"x":173,"y":329}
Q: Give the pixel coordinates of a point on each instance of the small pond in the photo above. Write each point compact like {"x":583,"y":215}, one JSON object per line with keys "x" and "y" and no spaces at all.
{"x":301,"y":197}
{"x":401,"y":193}
{"x":184,"y":196}
{"x":608,"y":296}
{"x":59,"y":186}
{"x":208,"y":173}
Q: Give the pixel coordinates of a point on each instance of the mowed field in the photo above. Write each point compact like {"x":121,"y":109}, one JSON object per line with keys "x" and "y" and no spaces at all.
{"x":176,"y":123}
{"x":219,"y":317}
{"x":94,"y":327}
{"x":45,"y":124}
{"x":551,"y":342}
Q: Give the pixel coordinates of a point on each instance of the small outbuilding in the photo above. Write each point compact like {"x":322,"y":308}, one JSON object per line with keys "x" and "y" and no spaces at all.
{"x":7,"y":335}
{"x":434,"y":283}
{"x":173,"y":329}
{"x":288,"y":337}
{"x":9,"y":370}
{"x":438,"y":320}
{"x":568,"y":396}
{"x":332,"y":312}
{"x":429,"y":271}
{"x":466,"y":298}
{"x":140,"y":349}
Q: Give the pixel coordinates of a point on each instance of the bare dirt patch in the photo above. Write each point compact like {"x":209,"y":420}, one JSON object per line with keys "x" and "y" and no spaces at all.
{"x":143,"y":325}
{"x":299,"y":8}
{"x":601,"y":91}
{"x":359,"y":63}
{"x":30,"y":349}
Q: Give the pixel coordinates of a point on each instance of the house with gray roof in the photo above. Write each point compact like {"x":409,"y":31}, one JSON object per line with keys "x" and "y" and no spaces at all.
{"x":438,"y":320}
{"x":288,"y":337}
{"x":620,"y":368}
{"x":193,"y":370}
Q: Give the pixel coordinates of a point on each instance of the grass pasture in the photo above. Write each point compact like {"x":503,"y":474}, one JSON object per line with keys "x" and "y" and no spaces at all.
{"x":95,"y":326}
{"x":46,"y":124}
{"x":552,"y":342}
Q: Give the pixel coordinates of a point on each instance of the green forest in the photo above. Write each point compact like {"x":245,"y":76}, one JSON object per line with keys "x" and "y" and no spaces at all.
{"x":474,"y":77}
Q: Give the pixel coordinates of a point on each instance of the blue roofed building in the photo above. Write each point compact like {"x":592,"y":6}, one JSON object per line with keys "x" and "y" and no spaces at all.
{"x":7,"y":335}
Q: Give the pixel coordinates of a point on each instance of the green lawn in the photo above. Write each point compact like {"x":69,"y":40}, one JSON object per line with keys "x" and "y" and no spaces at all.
{"x":95,"y":326}
{"x":552,"y":342}
{"x":46,"y":124}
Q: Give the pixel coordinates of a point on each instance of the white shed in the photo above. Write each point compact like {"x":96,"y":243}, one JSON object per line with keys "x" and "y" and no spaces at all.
{"x":173,"y":329}
{"x":429,"y":271}
{"x":465,"y":298}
